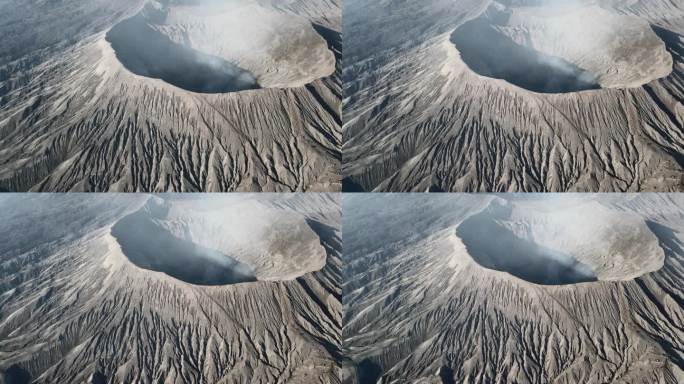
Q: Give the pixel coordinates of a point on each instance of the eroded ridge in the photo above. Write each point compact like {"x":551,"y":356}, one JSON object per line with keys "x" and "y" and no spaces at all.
{"x":75,"y":309}
{"x":419,"y":309}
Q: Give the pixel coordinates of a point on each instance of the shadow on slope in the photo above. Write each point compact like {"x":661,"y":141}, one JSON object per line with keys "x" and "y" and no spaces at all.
{"x":368,"y":372}
{"x":16,"y":375}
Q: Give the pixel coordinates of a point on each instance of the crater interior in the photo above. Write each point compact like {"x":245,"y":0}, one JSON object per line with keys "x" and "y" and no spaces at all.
{"x":562,"y":47}
{"x":149,"y":245}
{"x":223,"y":244}
{"x":494,"y":246}
{"x":218,"y":47}
{"x":565,"y":245}
{"x":146,"y":52}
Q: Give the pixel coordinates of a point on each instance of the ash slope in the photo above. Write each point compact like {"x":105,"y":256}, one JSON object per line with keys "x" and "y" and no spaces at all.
{"x":418,"y":118}
{"x":420,"y":307}
{"x":75,"y":117}
{"x":77,"y":305}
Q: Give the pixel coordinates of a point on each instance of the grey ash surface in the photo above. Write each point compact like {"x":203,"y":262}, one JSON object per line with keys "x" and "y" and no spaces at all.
{"x":474,"y":96}
{"x":77,"y":305}
{"x":446,"y":288}
{"x":101,"y":96}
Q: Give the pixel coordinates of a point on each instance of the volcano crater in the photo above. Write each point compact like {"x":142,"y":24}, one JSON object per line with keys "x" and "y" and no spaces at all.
{"x":214,"y":47}
{"x":150,"y":245}
{"x":228,"y":243}
{"x":561,"y":246}
{"x":562,"y":48}
{"x":146,"y":52}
